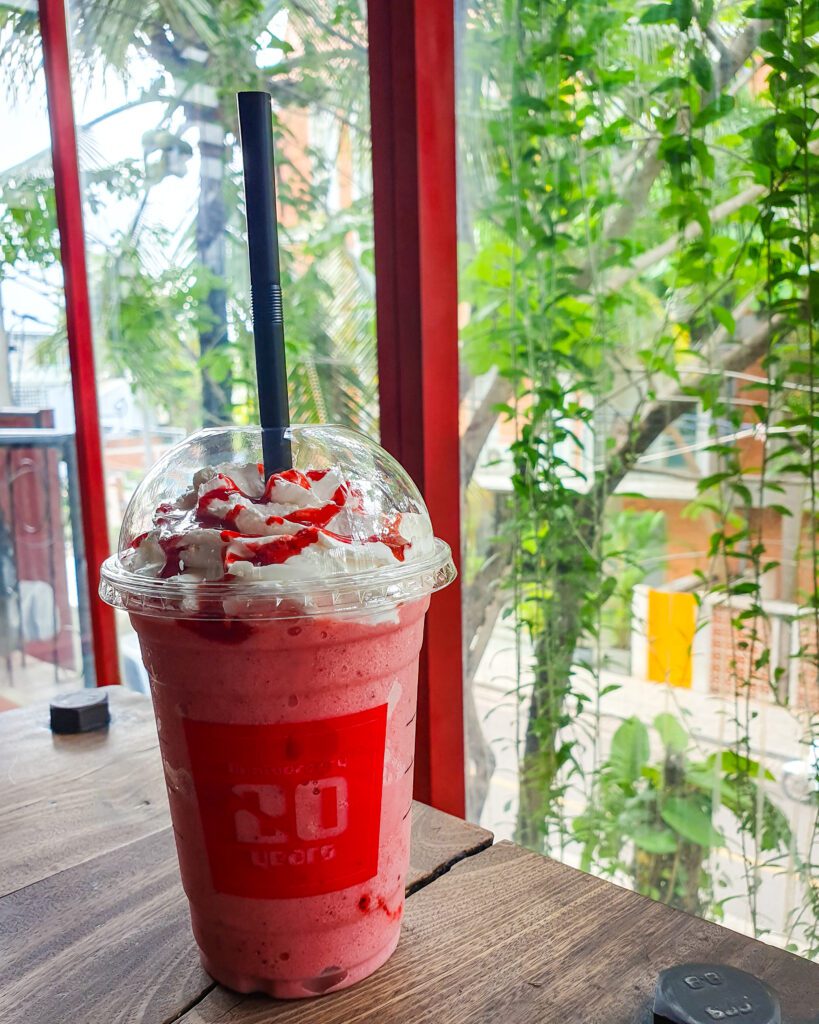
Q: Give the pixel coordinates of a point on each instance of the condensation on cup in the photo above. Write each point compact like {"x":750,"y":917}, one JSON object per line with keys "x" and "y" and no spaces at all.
{"x":280,"y":621}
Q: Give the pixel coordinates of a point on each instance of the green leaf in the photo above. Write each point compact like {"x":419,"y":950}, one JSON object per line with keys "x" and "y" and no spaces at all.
{"x":764,"y":9}
{"x":733,"y":763}
{"x":672,"y":82}
{"x":629,"y":750}
{"x":725,"y":317}
{"x":708,"y":482}
{"x":673,"y":735}
{"x":702,"y":71}
{"x":657,"y":13}
{"x":683,"y":12}
{"x":706,"y":162}
{"x":275,"y":42}
{"x":691,"y":822}
{"x":747,"y":587}
{"x":703,"y":775}
{"x":763,"y":146}
{"x":721,"y":106}
{"x":772,"y":42}
{"x":655,"y":840}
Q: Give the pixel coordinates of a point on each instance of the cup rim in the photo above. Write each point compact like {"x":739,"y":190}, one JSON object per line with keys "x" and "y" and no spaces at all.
{"x":338,"y":594}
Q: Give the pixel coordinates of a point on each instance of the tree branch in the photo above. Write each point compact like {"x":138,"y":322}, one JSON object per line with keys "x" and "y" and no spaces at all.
{"x":732,"y":59}
{"x":635,"y":193}
{"x":480,"y":426}
{"x":751,"y":338}
{"x":640,"y":181}
{"x":615,"y":280}
{"x":483,"y":600}
{"x":329,"y":29}
{"x":634,"y":196}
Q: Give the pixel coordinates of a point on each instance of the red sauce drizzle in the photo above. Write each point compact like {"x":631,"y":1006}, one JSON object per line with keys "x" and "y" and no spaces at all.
{"x":393,"y":539}
{"x":233,"y":486}
{"x":173,"y":548}
{"x":393,"y":915}
{"x":313,"y":516}
{"x":366,"y":906}
{"x":291,"y":476}
{"x":138,"y":540}
{"x":307,"y":517}
{"x":217,"y":494}
{"x":295,"y":476}
{"x":277,"y":550}
{"x":337,"y":536}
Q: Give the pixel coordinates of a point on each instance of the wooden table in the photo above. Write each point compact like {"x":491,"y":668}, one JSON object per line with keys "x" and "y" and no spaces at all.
{"x":94,"y":927}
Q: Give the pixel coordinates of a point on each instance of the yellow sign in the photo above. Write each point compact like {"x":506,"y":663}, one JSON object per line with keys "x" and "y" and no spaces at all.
{"x":672,"y":620}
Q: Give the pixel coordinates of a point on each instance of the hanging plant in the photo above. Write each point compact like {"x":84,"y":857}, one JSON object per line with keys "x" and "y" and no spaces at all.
{"x":643,"y":252}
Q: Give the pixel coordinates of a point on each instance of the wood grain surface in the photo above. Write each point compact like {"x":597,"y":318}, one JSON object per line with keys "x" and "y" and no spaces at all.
{"x":510,"y":937}
{"x":106,"y":941}
{"x":438,"y":841}
{"x":113,"y":933}
{"x":64,"y":799}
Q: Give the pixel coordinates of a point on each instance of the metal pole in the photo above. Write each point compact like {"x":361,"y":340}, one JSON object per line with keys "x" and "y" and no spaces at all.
{"x":13,"y":583}
{"x":78,"y":323}
{"x":80,"y":568}
{"x":12,"y":479}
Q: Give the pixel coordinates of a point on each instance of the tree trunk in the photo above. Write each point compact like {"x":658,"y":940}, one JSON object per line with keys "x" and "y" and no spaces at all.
{"x":554,"y":657}
{"x":480,"y":765}
{"x":672,"y":878}
{"x":211,"y":219}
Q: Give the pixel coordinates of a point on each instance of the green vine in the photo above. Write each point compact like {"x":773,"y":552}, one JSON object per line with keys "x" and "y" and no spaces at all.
{"x":640,"y":255}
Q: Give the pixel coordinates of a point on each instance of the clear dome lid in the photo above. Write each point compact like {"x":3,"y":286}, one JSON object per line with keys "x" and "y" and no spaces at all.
{"x":206,"y":534}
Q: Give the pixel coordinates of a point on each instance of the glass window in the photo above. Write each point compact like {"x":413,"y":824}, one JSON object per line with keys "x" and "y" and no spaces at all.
{"x":154,"y":96}
{"x":640,"y":448}
{"x":44,"y":625}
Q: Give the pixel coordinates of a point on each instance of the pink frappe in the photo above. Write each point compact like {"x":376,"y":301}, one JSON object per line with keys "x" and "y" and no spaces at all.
{"x":285,"y":673}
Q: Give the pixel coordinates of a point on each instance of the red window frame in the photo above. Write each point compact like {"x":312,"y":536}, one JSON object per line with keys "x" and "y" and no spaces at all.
{"x":78,"y":328}
{"x":412,"y":101}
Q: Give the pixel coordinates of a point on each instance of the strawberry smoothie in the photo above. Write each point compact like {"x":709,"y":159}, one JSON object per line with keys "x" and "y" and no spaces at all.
{"x":289,"y":806}
{"x":280,"y":621}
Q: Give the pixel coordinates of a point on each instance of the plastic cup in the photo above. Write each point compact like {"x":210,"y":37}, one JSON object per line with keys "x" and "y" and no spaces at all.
{"x":285,"y":702}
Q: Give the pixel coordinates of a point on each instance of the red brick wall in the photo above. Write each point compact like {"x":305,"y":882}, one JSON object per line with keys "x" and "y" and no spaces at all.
{"x":733,"y":654}
{"x":687,"y":536}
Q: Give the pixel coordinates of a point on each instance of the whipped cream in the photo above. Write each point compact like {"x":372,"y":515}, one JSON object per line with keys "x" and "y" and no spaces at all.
{"x":234,"y":524}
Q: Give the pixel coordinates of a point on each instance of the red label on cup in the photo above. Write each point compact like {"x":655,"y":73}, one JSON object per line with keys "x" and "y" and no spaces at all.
{"x":292,"y":809}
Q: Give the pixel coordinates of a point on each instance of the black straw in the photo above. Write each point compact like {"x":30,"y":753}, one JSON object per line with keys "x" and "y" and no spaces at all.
{"x":255,"y":126}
